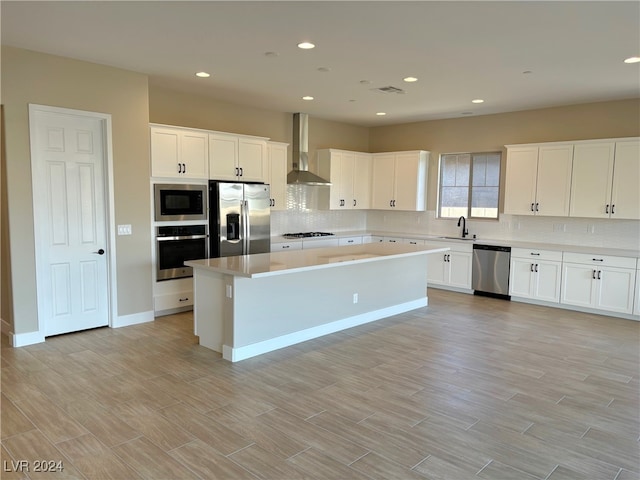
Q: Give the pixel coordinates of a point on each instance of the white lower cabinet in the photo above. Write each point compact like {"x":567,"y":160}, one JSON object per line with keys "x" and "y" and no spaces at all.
{"x":284,"y":246}
{"x":350,"y":241}
{"x":170,"y":296}
{"x":451,"y":269}
{"x":535,"y":274}
{"x":599,"y":282}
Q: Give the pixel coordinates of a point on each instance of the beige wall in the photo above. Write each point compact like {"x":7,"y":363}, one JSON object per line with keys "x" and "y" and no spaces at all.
{"x":187,"y":110}
{"x":492,"y":132}
{"x":6,"y":310}
{"x":30,"y":77}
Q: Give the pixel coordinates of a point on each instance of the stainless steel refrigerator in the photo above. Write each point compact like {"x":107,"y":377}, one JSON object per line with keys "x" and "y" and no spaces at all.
{"x":239,"y":219}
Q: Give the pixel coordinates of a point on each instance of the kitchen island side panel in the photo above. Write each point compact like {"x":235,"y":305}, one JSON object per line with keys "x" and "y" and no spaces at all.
{"x":270,"y":307}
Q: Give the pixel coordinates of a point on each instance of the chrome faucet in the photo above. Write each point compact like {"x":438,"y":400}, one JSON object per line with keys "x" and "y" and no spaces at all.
{"x":465,"y":232}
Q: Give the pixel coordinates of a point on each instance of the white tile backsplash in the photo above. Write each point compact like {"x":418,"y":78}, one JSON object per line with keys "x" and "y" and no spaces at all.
{"x":308,"y":210}
{"x":624,"y":234}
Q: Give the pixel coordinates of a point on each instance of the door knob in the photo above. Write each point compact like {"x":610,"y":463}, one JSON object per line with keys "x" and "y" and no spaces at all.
{"x":100,"y":252}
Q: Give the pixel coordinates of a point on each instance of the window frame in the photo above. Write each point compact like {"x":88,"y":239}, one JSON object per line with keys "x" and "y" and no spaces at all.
{"x":470,"y":186}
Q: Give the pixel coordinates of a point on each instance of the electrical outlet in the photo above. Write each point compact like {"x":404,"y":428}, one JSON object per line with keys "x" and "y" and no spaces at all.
{"x":229,"y":291}
{"x":124,"y":229}
{"x":591,"y":228}
{"x":355,"y":298}
{"x":559,"y":227}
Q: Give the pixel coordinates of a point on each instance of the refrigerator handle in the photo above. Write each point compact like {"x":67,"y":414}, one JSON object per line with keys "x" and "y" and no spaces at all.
{"x":244,"y":211}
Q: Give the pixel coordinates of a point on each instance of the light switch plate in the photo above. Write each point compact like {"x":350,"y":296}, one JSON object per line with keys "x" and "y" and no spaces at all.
{"x":124,"y":229}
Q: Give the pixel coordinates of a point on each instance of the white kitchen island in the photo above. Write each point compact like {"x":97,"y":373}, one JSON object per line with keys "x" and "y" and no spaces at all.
{"x":252,"y":304}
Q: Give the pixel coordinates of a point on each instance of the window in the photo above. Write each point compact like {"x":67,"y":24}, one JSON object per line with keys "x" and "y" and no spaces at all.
{"x":469,"y":185}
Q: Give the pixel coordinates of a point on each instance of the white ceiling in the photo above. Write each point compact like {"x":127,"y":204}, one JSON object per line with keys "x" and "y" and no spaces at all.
{"x":458,"y":50}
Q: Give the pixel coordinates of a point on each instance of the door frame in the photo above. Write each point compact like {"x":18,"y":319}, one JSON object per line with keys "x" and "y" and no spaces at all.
{"x":105,"y":119}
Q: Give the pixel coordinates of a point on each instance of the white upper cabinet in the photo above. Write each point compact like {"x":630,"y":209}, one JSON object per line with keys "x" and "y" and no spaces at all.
{"x":538,"y":179}
{"x":277,"y":174}
{"x":592,"y":180}
{"x":179,"y":152}
{"x":350,"y":177}
{"x":237,"y":157}
{"x":605,"y":180}
{"x":399,"y":181}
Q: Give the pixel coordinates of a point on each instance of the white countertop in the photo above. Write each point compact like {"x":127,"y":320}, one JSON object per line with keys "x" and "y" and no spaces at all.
{"x":278,"y":263}
{"x":619,"y":252}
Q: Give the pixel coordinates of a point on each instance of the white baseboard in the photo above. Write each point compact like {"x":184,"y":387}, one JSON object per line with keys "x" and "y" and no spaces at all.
{"x":607,"y":313}
{"x":24,"y":339}
{"x":133,"y":319}
{"x":248,"y":351}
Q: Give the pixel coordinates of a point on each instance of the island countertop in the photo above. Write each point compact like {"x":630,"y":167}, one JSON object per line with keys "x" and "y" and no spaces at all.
{"x":278,"y":263}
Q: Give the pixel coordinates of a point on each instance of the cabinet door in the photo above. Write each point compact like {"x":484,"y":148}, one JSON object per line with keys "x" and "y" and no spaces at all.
{"x":578,"y":285}
{"x":553,"y":185}
{"x":615,"y":289}
{"x":362,"y":180}
{"x":521,"y":278}
{"x":383,"y":182}
{"x":625,"y":195}
{"x":591,"y":180}
{"x":460,"y":269}
{"x":251,"y":159}
{"x":409,"y":181}
{"x":335,"y":177}
{"x":520,"y":182}
{"x":277,"y":170}
{"x":223,"y":157}
{"x":436,"y":267}
{"x":347,"y":175}
{"x":164,"y":152}
{"x":547,"y":281}
{"x":194,"y":154}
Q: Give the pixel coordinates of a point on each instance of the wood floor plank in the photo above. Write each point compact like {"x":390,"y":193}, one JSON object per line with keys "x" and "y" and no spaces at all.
{"x":208,"y":463}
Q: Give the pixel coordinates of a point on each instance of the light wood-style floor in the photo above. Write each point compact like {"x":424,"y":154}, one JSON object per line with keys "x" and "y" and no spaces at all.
{"x":469,"y":387}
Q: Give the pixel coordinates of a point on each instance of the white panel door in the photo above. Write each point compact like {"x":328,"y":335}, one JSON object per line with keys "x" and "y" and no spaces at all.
{"x":68,"y":161}
{"x":252,"y":154}
{"x":547,"y":281}
{"x":382,"y":184}
{"x":223,"y":157}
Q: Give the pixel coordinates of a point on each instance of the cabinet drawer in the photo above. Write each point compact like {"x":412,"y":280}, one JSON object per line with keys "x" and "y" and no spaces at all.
{"x":350,"y":241}
{"x":394,"y":239}
{"x":536,"y":254}
{"x":320,"y":243}
{"x":413,"y":241}
{"x":592,"y":259}
{"x":278,"y":247}
{"x":172,"y":300}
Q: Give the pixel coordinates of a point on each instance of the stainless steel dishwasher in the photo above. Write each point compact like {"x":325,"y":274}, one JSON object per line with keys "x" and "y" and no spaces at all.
{"x":490,"y":273}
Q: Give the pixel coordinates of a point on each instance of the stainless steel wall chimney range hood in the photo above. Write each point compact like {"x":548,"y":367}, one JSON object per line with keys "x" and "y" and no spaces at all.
{"x":300,"y":175}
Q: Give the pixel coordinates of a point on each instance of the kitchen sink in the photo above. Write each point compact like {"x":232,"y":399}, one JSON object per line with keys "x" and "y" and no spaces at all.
{"x":471,"y":239}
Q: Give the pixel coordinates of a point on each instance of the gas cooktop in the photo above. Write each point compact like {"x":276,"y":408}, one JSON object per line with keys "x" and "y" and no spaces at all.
{"x":306,"y":234}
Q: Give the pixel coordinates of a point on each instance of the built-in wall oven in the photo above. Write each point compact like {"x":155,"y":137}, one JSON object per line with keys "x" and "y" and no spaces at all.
{"x":176,"y":244}
{"x":180,"y":202}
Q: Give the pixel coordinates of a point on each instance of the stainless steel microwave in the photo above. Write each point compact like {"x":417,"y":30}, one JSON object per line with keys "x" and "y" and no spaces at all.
{"x":177,"y":202}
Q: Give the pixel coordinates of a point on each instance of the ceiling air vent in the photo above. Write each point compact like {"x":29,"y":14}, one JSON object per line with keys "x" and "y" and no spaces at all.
{"x":390,"y":89}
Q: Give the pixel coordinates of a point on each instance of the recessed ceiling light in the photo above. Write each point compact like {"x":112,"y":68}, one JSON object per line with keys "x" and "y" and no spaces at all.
{"x":324,"y":69}
{"x":632,"y":60}
{"x":477,"y":100}
{"x":203,"y":74}
{"x":271,"y":54}
{"x":306,"y":45}
{"x":365,"y":82}
{"x":527,"y":72}
{"x":307,"y":97}
{"x":381,"y":114}
{"x":410,"y":79}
